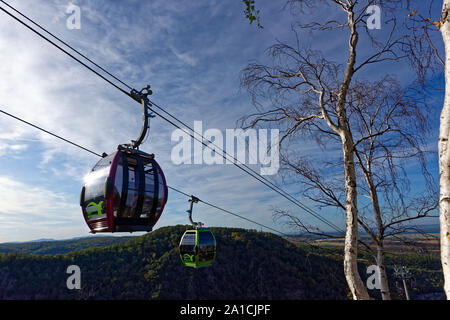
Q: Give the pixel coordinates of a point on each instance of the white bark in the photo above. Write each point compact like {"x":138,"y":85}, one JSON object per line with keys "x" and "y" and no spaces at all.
{"x":356,"y":285}
{"x":384,"y":284}
{"x":444,"y":156}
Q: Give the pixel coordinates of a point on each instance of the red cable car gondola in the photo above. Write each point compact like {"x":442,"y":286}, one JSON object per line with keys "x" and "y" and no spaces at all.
{"x":126,"y":191}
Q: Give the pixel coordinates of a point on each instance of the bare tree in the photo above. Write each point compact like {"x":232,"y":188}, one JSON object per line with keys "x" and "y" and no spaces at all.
{"x":427,"y":57}
{"x":313,"y":96}
{"x":390,"y":127}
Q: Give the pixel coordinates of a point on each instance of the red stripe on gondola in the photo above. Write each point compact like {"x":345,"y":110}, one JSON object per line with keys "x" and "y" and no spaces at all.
{"x":165,"y":192}
{"x":110,"y":201}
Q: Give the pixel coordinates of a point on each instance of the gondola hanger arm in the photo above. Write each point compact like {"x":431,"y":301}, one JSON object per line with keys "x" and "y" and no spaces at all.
{"x":192,"y":201}
{"x":142,"y":97}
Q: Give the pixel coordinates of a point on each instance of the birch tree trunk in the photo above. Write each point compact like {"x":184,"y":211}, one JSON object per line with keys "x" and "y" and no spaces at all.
{"x":444,"y":155}
{"x":384,"y":284}
{"x":357,"y":287}
{"x":354,"y":281}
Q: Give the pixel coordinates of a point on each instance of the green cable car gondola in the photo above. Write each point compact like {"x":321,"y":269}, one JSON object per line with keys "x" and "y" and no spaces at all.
{"x":198,"y":248}
{"x":198,"y":245}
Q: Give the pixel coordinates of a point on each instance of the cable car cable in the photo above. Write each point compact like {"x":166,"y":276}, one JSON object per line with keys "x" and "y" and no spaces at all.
{"x":226,"y":211}
{"x":172,"y":188}
{"x":257,"y":177}
{"x":66,"y":44}
{"x":69,"y":54}
{"x":180,"y":192}
{"x":292,"y":198}
{"x":50,"y":133}
{"x":274,"y":187}
{"x":229,"y":212}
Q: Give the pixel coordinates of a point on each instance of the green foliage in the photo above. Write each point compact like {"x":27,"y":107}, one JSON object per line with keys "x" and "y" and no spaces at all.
{"x":61,"y":247}
{"x":251,"y":13}
{"x":248,"y":265}
{"x":425,"y":268}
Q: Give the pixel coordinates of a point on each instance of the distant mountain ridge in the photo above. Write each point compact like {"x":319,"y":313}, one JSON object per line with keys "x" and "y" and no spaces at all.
{"x":41,"y":240}
{"x":50,"y":246}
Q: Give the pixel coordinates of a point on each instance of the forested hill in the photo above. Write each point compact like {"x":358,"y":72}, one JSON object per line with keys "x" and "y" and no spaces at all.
{"x":248,"y":265}
{"x":62,"y":246}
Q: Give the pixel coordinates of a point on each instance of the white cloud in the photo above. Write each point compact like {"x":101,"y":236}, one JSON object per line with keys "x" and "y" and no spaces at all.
{"x":10,"y":149}
{"x":26,"y":210}
{"x":184,"y":57}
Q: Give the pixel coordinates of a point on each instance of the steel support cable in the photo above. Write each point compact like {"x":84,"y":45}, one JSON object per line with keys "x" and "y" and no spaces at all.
{"x":257,"y":177}
{"x":50,"y":133}
{"x":69,"y":54}
{"x":261,"y":178}
{"x":229,"y":212}
{"x":172,"y":188}
{"x":65,"y":43}
{"x":286,"y":194}
{"x":314,"y":246}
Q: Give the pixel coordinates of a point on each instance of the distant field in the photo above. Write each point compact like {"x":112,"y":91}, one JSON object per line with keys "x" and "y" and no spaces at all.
{"x":409,"y":243}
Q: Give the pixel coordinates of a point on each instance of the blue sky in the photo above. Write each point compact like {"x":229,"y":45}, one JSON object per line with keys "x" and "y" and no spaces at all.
{"x":190,"y":52}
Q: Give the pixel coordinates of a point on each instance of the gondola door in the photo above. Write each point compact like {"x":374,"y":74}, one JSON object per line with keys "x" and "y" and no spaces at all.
{"x":189,"y":248}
